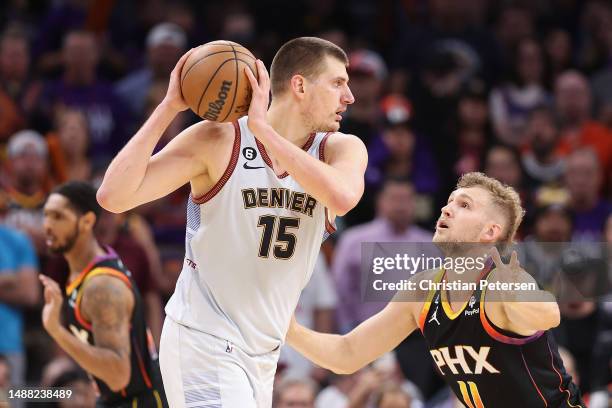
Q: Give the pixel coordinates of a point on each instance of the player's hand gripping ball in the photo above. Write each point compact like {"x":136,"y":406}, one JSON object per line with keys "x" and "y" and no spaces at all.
{"x":213,"y":82}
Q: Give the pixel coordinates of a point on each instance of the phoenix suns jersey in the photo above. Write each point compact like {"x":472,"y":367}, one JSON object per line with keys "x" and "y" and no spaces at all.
{"x":251,"y":245}
{"x":490,"y":367}
{"x":145,"y":387}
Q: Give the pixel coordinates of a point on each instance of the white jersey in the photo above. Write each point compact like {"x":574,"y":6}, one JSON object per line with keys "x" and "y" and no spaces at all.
{"x":251,"y":245}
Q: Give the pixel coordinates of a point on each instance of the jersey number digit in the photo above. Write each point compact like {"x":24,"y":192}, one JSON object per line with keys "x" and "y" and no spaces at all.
{"x":285,"y":241}
{"x":466,"y":394}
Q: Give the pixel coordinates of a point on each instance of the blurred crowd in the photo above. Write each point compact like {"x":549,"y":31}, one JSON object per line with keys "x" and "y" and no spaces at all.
{"x":521,"y":90}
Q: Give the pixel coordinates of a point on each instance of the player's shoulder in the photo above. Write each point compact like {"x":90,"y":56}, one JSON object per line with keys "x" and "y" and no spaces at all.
{"x":105,"y":286}
{"x":344,"y":142}
{"x":335,"y":138}
{"x":103,"y":293}
{"x":206,"y":132}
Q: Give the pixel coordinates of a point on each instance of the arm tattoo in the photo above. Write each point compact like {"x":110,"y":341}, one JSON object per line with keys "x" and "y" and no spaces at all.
{"x":108,"y":304}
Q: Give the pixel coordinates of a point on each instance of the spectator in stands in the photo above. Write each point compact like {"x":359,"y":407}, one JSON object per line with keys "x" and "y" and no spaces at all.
{"x":367,"y":71}
{"x":558,"y":51}
{"x":573,"y":103}
{"x":601,"y":380}
{"x":512,"y":102}
{"x":80,"y":88}
{"x":83,"y":391}
{"x":542,"y":165}
{"x":399,"y":152}
{"x":514,"y":23}
{"x":474,"y":129}
{"x":594,"y":32}
{"x":583,"y":179}
{"x":437,"y":88}
{"x":541,"y":250}
{"x":165,"y":43}
{"x":58,"y":364}
{"x":68,"y":147}
{"x":25,"y":185}
{"x":353,"y":390}
{"x":295,"y":393}
{"x":394,"y":223}
{"x":391,"y":395}
{"x":5,"y":378}
{"x":504,"y":164}
{"x":608,"y":230}
{"x":392,"y":374}
{"x":17,"y":88}
{"x":582,"y":322}
{"x":18,"y":290}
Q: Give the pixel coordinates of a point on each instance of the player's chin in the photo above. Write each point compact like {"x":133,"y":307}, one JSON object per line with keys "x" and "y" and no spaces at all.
{"x":440,"y":237}
{"x":334,"y":126}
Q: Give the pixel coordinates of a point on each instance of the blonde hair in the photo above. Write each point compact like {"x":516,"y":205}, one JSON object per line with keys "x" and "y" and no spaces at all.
{"x":503,"y":196}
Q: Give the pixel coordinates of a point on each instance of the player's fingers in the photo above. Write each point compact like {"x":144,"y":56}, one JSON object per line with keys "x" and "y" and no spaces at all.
{"x":494,"y":253}
{"x":51,"y":284}
{"x":44,"y":280}
{"x":264,"y":77}
{"x":251,"y":77}
{"x":47,"y":295}
{"x":514,"y":263}
{"x":184,"y":57}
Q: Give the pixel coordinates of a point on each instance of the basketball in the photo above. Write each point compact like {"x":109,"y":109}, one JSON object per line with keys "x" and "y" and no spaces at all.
{"x":213,"y":82}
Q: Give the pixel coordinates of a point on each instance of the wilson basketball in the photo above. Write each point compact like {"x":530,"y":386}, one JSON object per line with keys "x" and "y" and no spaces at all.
{"x":213,"y":81}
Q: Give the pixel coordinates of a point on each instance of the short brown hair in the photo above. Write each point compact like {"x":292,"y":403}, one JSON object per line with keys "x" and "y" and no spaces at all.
{"x":303,"y":56}
{"x":504,"y":197}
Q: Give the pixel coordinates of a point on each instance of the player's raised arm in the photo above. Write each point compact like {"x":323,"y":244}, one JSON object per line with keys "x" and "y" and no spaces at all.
{"x":364,"y":344}
{"x":134,"y":177}
{"x":338,"y":182}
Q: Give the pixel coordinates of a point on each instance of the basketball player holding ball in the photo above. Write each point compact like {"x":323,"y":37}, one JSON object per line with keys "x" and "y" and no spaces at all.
{"x":264,"y":191}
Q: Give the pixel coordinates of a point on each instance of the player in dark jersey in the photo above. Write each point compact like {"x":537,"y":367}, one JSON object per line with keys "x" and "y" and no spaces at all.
{"x":493,"y":350}
{"x":101,"y":324}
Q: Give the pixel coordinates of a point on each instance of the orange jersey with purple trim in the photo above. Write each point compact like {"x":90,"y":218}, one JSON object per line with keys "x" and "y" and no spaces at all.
{"x":489,"y":367}
{"x":145,"y":387}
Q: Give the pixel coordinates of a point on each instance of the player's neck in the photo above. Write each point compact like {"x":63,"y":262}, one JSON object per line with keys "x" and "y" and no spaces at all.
{"x":468,"y":275}
{"x":286,"y":120}
{"x":81,"y":254}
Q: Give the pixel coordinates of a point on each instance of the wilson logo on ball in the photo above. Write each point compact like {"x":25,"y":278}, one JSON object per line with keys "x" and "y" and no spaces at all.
{"x":213,"y":82}
{"x":214,"y":108}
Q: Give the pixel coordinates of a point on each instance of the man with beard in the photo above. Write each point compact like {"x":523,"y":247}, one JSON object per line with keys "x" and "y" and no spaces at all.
{"x":101,"y":326}
{"x":541,"y":163}
{"x":504,"y":356}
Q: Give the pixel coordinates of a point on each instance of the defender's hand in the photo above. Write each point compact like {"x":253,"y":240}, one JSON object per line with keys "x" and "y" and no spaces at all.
{"x":53,"y":304}
{"x":174,"y":97}
{"x":508,"y":272}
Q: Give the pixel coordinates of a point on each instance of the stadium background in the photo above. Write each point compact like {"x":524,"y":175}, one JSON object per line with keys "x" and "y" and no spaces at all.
{"x":521,"y":90}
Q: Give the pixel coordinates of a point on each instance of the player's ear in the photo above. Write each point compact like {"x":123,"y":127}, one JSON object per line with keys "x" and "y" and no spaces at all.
{"x":88,"y":220}
{"x":492,"y":232}
{"x":298,"y":85}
